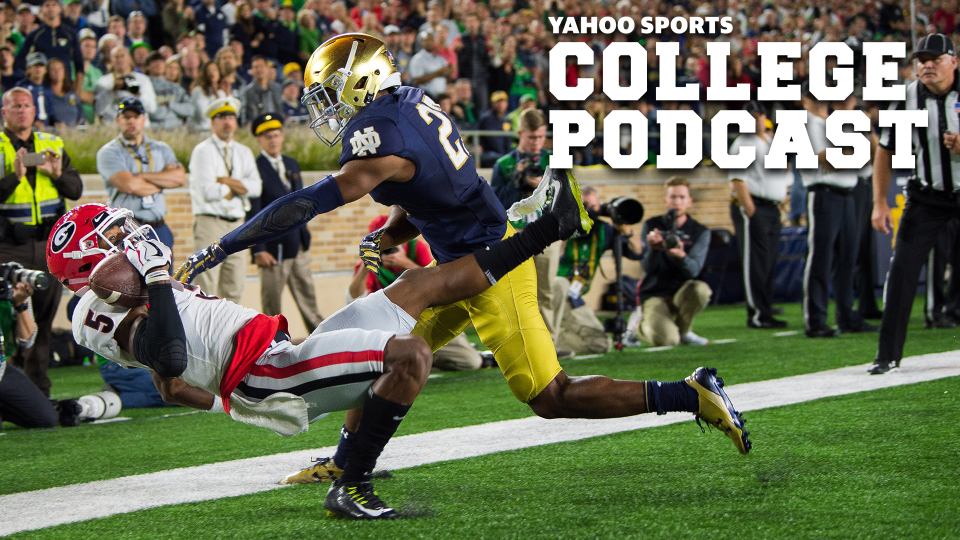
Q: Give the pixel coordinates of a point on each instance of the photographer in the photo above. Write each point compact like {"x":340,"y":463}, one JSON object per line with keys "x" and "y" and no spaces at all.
{"x":21,"y":402}
{"x":121,"y":83}
{"x":676,"y":249}
{"x":515,"y":176}
{"x":578,"y":328}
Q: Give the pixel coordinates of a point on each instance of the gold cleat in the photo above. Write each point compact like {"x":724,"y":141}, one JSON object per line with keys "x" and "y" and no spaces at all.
{"x":322,"y":470}
{"x":716,"y":409}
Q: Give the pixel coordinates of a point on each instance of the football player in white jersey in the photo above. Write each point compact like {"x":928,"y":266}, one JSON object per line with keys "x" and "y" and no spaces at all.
{"x":208,"y":353}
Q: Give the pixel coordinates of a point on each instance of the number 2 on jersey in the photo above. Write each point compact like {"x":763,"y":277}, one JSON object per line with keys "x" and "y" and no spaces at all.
{"x":429,"y":110}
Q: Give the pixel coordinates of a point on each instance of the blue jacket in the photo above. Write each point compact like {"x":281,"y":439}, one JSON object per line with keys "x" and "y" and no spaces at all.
{"x":290,"y":245}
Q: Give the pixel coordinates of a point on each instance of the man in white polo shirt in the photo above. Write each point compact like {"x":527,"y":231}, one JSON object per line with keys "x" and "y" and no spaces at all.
{"x":223,"y":177}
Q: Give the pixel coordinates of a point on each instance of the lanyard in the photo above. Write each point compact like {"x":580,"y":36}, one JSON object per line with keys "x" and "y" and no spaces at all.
{"x":591,"y":264}
{"x":223,"y":156}
{"x":137,"y":158}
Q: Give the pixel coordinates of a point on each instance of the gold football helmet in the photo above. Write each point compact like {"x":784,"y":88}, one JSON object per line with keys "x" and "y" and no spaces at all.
{"x":342,"y":77}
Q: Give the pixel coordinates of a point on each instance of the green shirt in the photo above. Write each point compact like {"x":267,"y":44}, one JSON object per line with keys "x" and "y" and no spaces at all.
{"x":8,"y":319}
{"x":581,"y":257}
{"x":309,"y":40}
{"x":90,"y":78}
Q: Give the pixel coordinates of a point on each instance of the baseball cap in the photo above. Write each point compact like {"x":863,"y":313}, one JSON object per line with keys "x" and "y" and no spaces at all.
{"x":527,"y":97}
{"x":265,"y":122}
{"x":755,"y":107}
{"x":499,"y":95}
{"x":290,"y":67}
{"x":86,"y":33}
{"x":35,"y":58}
{"x":105,"y":38}
{"x":287,"y":4}
{"x":935,"y":44}
{"x":130,"y":104}
{"x":139,"y":44}
{"x":136,"y":14}
{"x":391,"y":29}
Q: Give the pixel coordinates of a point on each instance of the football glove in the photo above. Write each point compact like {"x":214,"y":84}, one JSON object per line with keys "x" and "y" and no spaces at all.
{"x":370,"y":250}
{"x":151,"y":258}
{"x":201,"y":261}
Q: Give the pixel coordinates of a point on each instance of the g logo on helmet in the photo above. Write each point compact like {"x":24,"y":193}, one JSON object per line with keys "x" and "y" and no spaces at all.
{"x":62,"y":236}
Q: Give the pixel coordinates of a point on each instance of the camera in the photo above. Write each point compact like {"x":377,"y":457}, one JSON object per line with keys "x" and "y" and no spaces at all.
{"x":673,"y":237}
{"x":623,"y":211}
{"x":131,"y":84}
{"x":533,"y":167}
{"x":13,"y":273}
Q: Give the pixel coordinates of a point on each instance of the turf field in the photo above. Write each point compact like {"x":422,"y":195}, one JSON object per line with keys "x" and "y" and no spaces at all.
{"x":872,"y":464}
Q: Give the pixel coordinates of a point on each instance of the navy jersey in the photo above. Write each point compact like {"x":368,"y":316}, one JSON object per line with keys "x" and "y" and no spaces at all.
{"x":454,"y":208}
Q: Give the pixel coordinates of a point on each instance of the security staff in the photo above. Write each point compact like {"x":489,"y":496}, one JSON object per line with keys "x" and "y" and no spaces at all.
{"x":33,"y":200}
{"x":831,"y":234}
{"x":931,"y":191}
{"x":757,"y":192}
{"x":286,"y":261}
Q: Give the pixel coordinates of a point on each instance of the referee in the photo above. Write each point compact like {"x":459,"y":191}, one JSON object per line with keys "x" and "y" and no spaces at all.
{"x":931,"y":192}
{"x":832,"y":238}
{"x":756,"y":220}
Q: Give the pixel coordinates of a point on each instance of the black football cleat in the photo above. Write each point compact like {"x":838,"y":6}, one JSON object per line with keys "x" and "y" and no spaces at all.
{"x":879,"y":367}
{"x":564,"y":201}
{"x":716,"y":409}
{"x":357,"y":500}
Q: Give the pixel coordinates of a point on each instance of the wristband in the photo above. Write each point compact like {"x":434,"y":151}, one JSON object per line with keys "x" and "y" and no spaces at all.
{"x":155,"y":276}
{"x":22,"y":307}
{"x":217,"y":405}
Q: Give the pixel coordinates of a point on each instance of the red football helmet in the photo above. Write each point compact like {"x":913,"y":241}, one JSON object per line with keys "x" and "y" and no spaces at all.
{"x":74,"y":247}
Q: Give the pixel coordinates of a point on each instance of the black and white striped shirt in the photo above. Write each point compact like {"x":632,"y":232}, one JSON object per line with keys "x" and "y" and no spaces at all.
{"x":936,"y":166}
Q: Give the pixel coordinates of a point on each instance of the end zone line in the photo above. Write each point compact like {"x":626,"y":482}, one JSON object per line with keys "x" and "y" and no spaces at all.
{"x":56,"y":506}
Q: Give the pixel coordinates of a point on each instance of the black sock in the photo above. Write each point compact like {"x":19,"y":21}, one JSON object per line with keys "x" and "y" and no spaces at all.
{"x":671,"y":396}
{"x":343,"y":447}
{"x":499,"y":259}
{"x":380,"y":420}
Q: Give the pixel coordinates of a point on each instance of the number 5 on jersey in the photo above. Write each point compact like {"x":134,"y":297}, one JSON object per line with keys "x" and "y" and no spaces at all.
{"x":429,"y":110}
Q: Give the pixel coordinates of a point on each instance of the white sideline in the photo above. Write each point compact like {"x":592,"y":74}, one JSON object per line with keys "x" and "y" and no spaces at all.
{"x":56,"y":506}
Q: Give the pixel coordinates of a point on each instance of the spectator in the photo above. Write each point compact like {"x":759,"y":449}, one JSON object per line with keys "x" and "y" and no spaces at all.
{"x":670,"y":295}
{"x":42,"y":96}
{"x":137,"y":27}
{"x":262,"y":95}
{"x":178,"y":18}
{"x":458,"y":354}
{"x":293,"y":73}
{"x":73,"y":15}
{"x":44,"y":189}
{"x":501,"y":76}
{"x":229,"y":65}
{"x":464,"y":111}
{"x":294,"y":111}
{"x":190,"y":68}
{"x":309,"y":35}
{"x":123,"y":8}
{"x":172,"y":71}
{"x":429,"y":70}
{"x":66,"y":106}
{"x":223,"y":179}
{"x":526,"y":102}
{"x":578,"y":328}
{"x":138,"y":53}
{"x":244,"y":30}
{"x":341,"y":22}
{"x":391,"y":38}
{"x":268,"y":29}
{"x":26,"y":23}
{"x":494,"y":119}
{"x":91,"y":74}
{"x":204,"y":91}
{"x":526,"y":74}
{"x":21,"y":402}
{"x":53,"y":40}
{"x":287,"y":38}
{"x":756,"y":219}
{"x":435,"y":16}
{"x":122,"y":82}
{"x":285,"y":262}
{"x":105,"y":46}
{"x":405,"y":52}
{"x":136,"y":170}
{"x":117,"y":26}
{"x":8,"y":76}
{"x":213,"y":24}
{"x":473,"y":60}
{"x":446,"y":51}
{"x":174,"y":106}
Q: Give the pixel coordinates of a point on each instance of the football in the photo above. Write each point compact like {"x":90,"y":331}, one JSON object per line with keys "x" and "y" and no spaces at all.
{"x":117,"y":282}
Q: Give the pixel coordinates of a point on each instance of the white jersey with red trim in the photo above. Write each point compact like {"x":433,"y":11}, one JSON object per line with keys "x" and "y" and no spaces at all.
{"x":210,"y":323}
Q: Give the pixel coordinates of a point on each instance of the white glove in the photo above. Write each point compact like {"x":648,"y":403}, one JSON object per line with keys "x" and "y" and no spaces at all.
{"x":151,"y":258}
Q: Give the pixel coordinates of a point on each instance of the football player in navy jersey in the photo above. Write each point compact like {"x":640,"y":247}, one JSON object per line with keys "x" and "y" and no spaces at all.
{"x":398,"y":146}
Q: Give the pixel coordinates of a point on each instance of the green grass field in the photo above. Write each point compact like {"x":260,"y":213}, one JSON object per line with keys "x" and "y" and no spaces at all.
{"x":876,"y":464}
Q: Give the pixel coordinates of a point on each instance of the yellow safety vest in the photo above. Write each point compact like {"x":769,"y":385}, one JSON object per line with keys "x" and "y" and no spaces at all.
{"x":26,"y":205}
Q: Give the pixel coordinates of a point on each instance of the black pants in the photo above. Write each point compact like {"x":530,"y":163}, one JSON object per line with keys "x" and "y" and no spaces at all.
{"x":944,"y":252}
{"x":36,"y":359}
{"x":758,"y":238}
{"x":925,"y":213}
{"x":832,"y":241}
{"x":865,"y":276}
{"x":22,"y":403}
